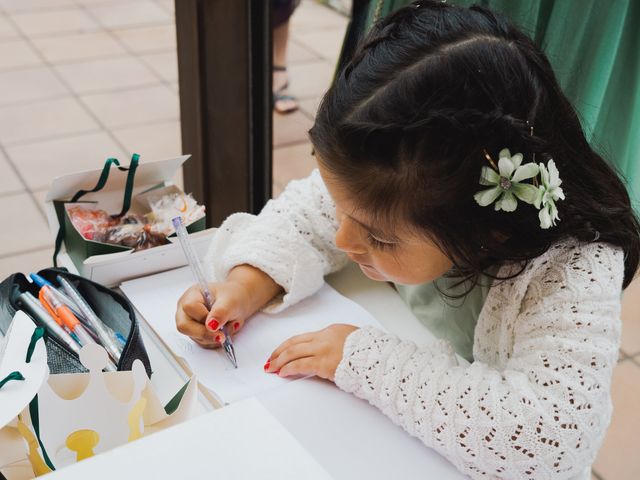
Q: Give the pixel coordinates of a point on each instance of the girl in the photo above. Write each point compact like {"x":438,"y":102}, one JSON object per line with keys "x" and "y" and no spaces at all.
{"x":451,"y":164}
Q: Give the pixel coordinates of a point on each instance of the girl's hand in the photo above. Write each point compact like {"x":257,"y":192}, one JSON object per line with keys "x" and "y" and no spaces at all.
{"x":245,"y":291}
{"x":317,"y":353}
{"x":203,"y":326}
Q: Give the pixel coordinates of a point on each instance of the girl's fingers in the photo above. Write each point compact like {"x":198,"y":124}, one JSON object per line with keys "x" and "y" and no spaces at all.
{"x":302,"y":366}
{"x":294,"y":352}
{"x":222,"y":312}
{"x":207,"y":345}
{"x":197,"y":331}
{"x":234,"y":326}
{"x":303,"y":338}
{"x":196,"y":310}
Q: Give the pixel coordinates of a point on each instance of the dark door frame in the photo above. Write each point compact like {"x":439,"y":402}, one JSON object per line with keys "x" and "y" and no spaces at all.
{"x":224,"y":68}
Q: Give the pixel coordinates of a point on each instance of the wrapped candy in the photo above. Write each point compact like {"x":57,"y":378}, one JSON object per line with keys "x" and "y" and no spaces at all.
{"x":171,"y":205}
{"x":90,"y":221}
{"x":135,"y":230}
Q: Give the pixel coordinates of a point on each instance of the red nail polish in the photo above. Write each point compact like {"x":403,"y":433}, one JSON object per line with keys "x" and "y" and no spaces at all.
{"x":218,"y":338}
{"x":213,"y":324}
{"x":277,"y":373}
{"x":236,"y":326}
{"x":266,"y":365}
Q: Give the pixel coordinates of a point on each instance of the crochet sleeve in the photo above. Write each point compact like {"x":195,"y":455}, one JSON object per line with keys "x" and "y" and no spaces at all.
{"x":292,"y":240}
{"x":537,"y":406}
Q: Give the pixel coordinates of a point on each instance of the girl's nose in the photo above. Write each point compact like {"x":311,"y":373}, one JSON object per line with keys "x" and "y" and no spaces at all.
{"x":348,"y":238}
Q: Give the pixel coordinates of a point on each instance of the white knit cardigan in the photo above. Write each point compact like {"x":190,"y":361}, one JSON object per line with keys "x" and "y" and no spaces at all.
{"x":535,"y":402}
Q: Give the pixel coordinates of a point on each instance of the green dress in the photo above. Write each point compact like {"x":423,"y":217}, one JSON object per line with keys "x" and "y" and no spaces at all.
{"x":452,"y":319}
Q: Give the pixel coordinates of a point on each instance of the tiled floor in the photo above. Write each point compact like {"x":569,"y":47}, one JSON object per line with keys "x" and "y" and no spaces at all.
{"x":81,"y":80}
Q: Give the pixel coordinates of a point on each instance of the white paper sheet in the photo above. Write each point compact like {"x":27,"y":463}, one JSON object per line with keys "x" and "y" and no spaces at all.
{"x":239,"y":442}
{"x":350,"y":438}
{"x":156,"y":298}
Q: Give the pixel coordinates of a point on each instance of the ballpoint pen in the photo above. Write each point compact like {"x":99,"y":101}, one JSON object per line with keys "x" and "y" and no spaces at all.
{"x":30,"y":305}
{"x":107,"y":341}
{"x":63,"y":315}
{"x":41,"y":282}
{"x":196,"y":269}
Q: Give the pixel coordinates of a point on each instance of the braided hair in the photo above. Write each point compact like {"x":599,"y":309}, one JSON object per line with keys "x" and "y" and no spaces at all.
{"x":407,"y":121}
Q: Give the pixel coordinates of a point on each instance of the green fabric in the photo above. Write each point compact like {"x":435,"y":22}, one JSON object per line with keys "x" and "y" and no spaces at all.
{"x":37,"y":334}
{"x":174,"y":403}
{"x":11,"y":377}
{"x":452,"y":319}
{"x":593,"y":46}
{"x":34,"y":412}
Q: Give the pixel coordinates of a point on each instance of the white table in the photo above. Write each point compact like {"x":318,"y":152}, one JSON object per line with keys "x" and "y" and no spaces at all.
{"x":344,"y":452}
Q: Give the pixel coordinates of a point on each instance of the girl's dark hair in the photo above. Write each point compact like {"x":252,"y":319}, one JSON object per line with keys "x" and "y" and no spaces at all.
{"x":406,"y":123}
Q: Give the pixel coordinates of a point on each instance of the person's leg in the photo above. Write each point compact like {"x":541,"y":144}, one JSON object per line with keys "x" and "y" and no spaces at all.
{"x":283,"y":102}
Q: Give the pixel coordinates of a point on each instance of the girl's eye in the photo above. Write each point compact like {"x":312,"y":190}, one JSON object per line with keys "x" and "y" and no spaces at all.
{"x":379,"y":244}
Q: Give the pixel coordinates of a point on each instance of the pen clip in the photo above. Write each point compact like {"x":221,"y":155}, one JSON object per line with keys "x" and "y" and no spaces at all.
{"x":48,"y":307}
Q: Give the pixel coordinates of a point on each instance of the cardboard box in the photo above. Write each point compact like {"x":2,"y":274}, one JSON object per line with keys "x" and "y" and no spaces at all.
{"x":112,"y":264}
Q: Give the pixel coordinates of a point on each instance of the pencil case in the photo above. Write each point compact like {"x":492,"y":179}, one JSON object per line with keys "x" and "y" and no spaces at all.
{"x":113,"y":309}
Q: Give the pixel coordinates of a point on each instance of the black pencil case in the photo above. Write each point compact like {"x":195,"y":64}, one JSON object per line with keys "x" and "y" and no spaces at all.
{"x":112,"y":308}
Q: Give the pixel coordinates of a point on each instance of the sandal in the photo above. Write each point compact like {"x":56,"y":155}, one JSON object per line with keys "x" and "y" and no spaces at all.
{"x":281,"y":95}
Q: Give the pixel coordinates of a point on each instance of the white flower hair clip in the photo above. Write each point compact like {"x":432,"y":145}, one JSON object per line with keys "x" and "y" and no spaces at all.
{"x":507,"y":182}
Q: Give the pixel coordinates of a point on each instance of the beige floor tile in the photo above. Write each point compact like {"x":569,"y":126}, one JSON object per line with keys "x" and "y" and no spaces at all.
{"x":6,"y":29}
{"x":153,"y":142}
{"x":39,"y":163}
{"x":17,"y":54}
{"x":631,"y":318}
{"x":297,"y":53}
{"x":134,"y":107}
{"x":168,"y":5}
{"x":292,"y":162}
{"x":39,"y":120}
{"x":106,"y":74}
{"x":24,"y":226}
{"x":310,"y":79}
{"x":312,"y":16}
{"x":40,"y":197}
{"x":29,"y":84}
{"x":165,"y":65}
{"x":290,"y":128}
{"x":310,"y":105}
{"x":9,"y":181}
{"x":156,"y":38}
{"x":80,"y":46}
{"x":117,"y":15}
{"x":618,"y":458}
{"x":45,"y":22}
{"x":26,"y":262}
{"x":100,"y":2}
{"x":23,"y":5}
{"x":326,"y":43}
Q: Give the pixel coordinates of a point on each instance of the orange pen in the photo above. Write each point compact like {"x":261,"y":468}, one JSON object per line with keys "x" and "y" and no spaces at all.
{"x":63,"y":315}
